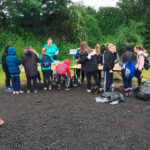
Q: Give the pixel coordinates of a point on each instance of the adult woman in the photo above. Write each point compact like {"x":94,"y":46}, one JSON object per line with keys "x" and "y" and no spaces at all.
{"x":51,"y":49}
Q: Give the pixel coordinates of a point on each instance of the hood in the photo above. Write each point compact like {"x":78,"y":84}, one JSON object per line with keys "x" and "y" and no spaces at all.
{"x":128,"y":47}
{"x":28,"y":53}
{"x":67,"y":62}
{"x":6,"y":48}
{"x":145,"y":54}
{"x":91,"y":54}
{"x":11,"y":51}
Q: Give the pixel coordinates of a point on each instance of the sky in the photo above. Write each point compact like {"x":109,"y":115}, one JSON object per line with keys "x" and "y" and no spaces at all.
{"x":98,"y":3}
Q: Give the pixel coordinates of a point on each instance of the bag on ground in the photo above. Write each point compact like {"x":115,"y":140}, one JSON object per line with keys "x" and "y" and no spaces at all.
{"x":130,"y":69}
{"x":143,"y":92}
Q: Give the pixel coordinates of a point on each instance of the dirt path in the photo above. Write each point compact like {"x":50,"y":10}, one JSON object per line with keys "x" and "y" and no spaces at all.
{"x":72,"y":120}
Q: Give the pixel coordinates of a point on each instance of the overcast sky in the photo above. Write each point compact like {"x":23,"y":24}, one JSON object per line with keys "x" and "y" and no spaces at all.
{"x":98,"y":3}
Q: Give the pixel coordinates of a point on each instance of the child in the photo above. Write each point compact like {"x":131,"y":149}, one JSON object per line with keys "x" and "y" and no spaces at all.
{"x":38,"y":73}
{"x":46,"y":69}
{"x":78,"y":71}
{"x":125,"y":57}
{"x":109,"y":62}
{"x":99,"y":59}
{"x":29,"y":61}
{"x":141,"y":54}
{"x":5,"y":69}
{"x":88,"y":60}
{"x":64,"y":71}
{"x":13,"y":63}
{"x":1,"y":121}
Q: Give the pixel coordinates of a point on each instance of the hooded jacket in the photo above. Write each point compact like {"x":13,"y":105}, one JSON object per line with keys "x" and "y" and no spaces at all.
{"x":13,"y":62}
{"x":30,"y":60}
{"x":140,"y":59}
{"x":5,"y":54}
{"x":88,"y":61}
{"x":127,"y":56}
{"x":64,"y":68}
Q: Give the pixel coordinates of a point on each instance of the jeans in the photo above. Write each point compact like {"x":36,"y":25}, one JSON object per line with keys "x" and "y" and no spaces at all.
{"x":15,"y":79}
{"x":89,"y":75}
{"x":67,"y":79}
{"x":46,"y":77}
{"x":127,"y":82}
{"x":29,"y":83}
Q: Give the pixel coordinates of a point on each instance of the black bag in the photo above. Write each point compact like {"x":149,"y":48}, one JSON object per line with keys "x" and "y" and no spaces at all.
{"x":113,"y":96}
{"x":75,"y":80}
{"x":143,"y":92}
{"x":146,"y":63}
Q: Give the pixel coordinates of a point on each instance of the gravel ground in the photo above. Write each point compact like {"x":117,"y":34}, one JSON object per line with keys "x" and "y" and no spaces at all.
{"x":72,"y":120}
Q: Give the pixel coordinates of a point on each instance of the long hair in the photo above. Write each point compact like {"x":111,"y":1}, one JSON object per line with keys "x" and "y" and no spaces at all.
{"x":140,"y":47}
{"x":97,"y":48}
{"x":88,"y":50}
{"x":83,"y":46}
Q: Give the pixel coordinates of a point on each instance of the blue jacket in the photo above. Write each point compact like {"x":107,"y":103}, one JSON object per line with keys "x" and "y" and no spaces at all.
{"x":77,"y":54}
{"x":13,"y":62}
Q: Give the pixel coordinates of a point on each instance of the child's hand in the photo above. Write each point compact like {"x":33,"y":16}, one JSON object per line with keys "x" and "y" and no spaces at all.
{"x":57,"y":53}
{"x":110,"y":71}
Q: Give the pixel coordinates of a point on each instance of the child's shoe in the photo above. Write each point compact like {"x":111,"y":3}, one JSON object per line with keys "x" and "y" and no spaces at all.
{"x":89,"y":91}
{"x":126,"y":94}
{"x":45,"y":88}
{"x":41,"y":82}
{"x":59,"y":87}
{"x":14,"y":92}
{"x":8,"y":89}
{"x":35,"y":91}
{"x":67,"y":89}
{"x":28,"y":91}
{"x":21,"y":92}
{"x":1,"y":121}
{"x":50,"y":87}
{"x":17,"y":92}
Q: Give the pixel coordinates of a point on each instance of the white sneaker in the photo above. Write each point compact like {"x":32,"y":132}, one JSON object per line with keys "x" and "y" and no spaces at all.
{"x":45,"y":88}
{"x":50,"y":87}
{"x":17,"y":92}
{"x":89,"y":91}
{"x":41,"y":82}
{"x":21,"y":92}
{"x":28,"y":91}
{"x":14,"y":92}
{"x":35,"y":91}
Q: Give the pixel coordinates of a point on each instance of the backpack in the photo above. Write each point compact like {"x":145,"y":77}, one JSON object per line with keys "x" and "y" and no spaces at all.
{"x":129,"y":69}
{"x":146,"y":63}
{"x":46,"y":61}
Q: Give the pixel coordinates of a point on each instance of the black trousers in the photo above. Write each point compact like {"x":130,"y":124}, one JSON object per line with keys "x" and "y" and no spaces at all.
{"x":99,"y":75}
{"x":7,"y":80}
{"x":78,"y":72}
{"x":38,"y":76}
{"x":138,"y":76}
{"x":29,"y":83}
{"x":89,"y":75}
{"x":108,"y":80}
{"x":46,"y":77}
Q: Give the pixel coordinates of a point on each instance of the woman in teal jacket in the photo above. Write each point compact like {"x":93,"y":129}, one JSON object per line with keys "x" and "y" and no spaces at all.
{"x":46,"y":70}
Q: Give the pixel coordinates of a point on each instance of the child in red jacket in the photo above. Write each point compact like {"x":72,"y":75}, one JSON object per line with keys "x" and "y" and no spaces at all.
{"x":64,"y":71}
{"x":1,"y":121}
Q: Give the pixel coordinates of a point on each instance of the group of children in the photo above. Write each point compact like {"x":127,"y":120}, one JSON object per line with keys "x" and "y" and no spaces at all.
{"x":89,"y":59}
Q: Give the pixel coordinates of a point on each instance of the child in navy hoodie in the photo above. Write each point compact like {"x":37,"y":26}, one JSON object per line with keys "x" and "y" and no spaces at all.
{"x":13,"y":63}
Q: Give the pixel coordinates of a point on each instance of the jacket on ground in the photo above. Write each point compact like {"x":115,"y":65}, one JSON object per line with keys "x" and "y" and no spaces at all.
{"x":88,"y":61}
{"x":29,"y":61}
{"x":13,"y":62}
{"x":64,"y":68}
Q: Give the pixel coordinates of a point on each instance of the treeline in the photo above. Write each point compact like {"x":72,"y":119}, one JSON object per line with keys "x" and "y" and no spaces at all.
{"x":31,"y":22}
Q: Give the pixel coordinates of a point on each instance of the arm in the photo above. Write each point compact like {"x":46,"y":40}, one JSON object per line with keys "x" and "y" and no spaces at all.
{"x":51,"y":58}
{"x":83,"y":58}
{"x":57,"y":51}
{"x":141,"y":64}
{"x":69,"y":73}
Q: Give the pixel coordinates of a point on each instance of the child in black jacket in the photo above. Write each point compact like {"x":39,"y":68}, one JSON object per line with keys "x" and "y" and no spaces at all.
{"x":88,"y":60}
{"x":109,"y":62}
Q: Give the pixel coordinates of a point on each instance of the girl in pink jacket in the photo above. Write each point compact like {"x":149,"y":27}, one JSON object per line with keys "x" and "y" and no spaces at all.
{"x":141,"y":54}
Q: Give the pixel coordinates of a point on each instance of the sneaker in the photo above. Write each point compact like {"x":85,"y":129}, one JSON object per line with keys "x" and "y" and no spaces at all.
{"x":21,"y":92}
{"x":17,"y":92}
{"x":28,"y":91}
{"x":1,"y":121}
{"x":89,"y":91}
{"x":130,"y":93}
{"x":126,"y":94}
{"x":67,"y":89}
{"x":35,"y":91}
{"x":100,"y":89}
{"x":14,"y":92}
{"x":45,"y":88}
{"x":8,"y":89}
{"x":59,"y":87}
{"x":50,"y":87}
{"x":41,"y":82}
